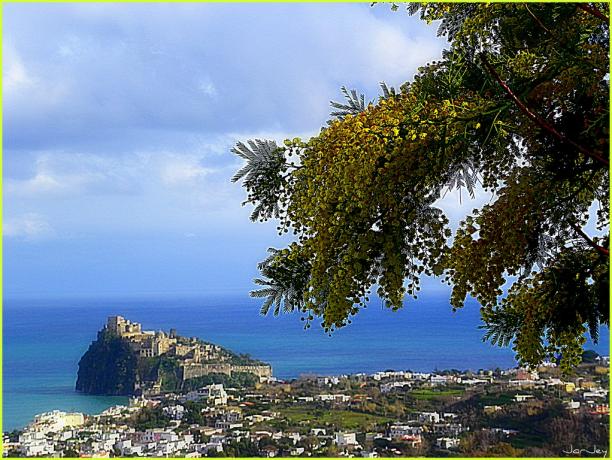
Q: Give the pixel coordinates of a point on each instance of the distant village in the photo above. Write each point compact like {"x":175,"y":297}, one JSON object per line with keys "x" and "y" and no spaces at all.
{"x":529,"y":412}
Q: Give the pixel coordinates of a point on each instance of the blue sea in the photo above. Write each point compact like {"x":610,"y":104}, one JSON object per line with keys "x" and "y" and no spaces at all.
{"x":44,"y":339}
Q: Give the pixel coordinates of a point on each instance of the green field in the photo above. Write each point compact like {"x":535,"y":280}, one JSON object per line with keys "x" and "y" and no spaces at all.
{"x":428,"y":395}
{"x":342,"y":419}
{"x":496,"y":399}
{"x":524,"y":440}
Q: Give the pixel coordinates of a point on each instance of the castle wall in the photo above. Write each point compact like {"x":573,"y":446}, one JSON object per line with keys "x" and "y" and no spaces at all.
{"x":259,"y":371}
{"x":198,"y":370}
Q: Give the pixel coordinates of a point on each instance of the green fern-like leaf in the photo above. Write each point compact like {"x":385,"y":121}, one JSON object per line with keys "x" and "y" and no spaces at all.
{"x":260,"y":154}
{"x":355,"y":103}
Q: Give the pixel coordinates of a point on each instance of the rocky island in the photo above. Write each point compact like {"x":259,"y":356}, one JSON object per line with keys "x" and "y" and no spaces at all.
{"x":125,"y":360}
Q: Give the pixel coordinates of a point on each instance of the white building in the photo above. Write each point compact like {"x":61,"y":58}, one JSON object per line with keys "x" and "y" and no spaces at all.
{"x":420,"y":376}
{"x":473,"y":381}
{"x":346,"y":439}
{"x":227,"y":425}
{"x":403,"y":432}
{"x":572,"y":405}
{"x":295,"y":437}
{"x":174,"y":412}
{"x":392,"y":375}
{"x":339,"y":398}
{"x":56,"y":421}
{"x":440,"y":379}
{"x":597,"y":393}
{"x":328,"y":381}
{"x":428,"y":417}
{"x":447,"y":443}
{"x":391,"y":386}
{"x":37,"y":448}
{"x":214,"y":394}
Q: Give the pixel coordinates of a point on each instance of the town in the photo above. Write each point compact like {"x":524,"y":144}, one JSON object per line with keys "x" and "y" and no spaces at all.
{"x":514,"y":412}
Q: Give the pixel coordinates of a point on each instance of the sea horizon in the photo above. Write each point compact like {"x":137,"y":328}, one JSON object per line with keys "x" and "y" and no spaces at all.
{"x":45,"y":338}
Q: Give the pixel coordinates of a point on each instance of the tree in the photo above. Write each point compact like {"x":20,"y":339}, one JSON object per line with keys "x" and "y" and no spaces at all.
{"x":589,"y":356}
{"x":148,"y":418}
{"x":518,"y":106}
{"x":70,"y":453}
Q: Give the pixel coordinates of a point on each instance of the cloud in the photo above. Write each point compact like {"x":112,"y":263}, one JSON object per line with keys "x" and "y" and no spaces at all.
{"x":27,"y":93}
{"x":14,"y":74}
{"x":141,"y":192}
{"x":153,"y":191}
{"x":393,"y":56}
{"x":207,"y":87}
{"x":179,"y":170}
{"x":127,"y":71}
{"x":61,"y":174}
{"x":119,"y":120}
{"x":29,"y":227}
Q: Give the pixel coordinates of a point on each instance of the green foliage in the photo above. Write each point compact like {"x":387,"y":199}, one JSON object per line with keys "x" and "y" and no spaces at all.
{"x":148,"y":418}
{"x":13,"y":436}
{"x":242,"y":448}
{"x":161,"y":368}
{"x":70,"y":453}
{"x":283,"y":280}
{"x":434,"y":394}
{"x":519,"y":105}
{"x":236,"y":380}
{"x":560,"y":302}
{"x":354,"y":104}
{"x":170,"y":375}
{"x":340,"y":419}
{"x":589,"y":356}
{"x":193,"y":413}
{"x":243,"y":359}
{"x":264,"y":176}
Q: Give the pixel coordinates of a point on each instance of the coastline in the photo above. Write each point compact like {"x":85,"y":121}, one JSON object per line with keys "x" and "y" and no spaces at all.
{"x":107,"y":402}
{"x":45,"y":339}
{"x":387,"y":413}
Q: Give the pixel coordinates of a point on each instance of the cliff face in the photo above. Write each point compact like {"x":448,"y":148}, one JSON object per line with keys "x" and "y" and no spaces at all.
{"x":108,"y":367}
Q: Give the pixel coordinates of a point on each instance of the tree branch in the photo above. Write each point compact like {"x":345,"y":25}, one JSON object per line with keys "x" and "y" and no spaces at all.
{"x":591,"y":243}
{"x":541,"y":122}
{"x":537,"y":20}
{"x":593,"y":11}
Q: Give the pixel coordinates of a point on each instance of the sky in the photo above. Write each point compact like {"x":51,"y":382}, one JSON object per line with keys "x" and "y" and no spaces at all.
{"x":119,"y":120}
